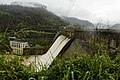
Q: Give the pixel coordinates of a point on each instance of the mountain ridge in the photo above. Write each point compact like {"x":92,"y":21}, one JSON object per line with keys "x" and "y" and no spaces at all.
{"x":15,"y":17}
{"x":76,"y":21}
{"x":115,"y":27}
{"x":29,"y":4}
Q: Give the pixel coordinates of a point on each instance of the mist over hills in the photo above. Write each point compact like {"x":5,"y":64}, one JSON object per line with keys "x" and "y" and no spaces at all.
{"x":83,"y":23}
{"x":29,"y":4}
{"x":17,"y":16}
{"x":115,"y":27}
{"x":36,"y":16}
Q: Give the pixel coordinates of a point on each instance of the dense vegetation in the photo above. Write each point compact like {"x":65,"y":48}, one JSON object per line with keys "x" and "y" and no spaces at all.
{"x":4,"y":43}
{"x":84,"y":67}
{"x":13,"y":69}
{"x":37,"y":26}
{"x":16,"y":17}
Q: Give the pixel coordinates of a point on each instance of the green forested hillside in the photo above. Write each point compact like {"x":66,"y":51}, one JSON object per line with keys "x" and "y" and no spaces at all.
{"x":36,"y":25}
{"x":16,"y":17}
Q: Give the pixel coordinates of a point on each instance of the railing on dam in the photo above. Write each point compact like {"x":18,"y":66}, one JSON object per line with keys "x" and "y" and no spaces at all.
{"x":101,"y":36}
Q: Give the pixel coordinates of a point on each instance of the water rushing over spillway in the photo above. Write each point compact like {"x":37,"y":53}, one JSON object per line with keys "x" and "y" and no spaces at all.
{"x":45,"y":60}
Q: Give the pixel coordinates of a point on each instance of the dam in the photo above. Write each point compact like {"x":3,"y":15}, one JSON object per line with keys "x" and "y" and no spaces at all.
{"x":44,"y":61}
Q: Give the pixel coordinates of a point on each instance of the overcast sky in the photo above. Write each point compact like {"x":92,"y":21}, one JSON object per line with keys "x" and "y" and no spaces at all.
{"x":92,"y":10}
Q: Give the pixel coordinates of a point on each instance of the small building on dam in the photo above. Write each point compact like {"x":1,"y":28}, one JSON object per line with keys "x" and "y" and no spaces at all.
{"x":17,"y":46}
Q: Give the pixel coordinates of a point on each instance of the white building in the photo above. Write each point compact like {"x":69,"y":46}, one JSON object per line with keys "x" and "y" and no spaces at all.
{"x":18,"y":47}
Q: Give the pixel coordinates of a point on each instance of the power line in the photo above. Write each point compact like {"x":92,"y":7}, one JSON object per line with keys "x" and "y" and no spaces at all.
{"x":69,"y":9}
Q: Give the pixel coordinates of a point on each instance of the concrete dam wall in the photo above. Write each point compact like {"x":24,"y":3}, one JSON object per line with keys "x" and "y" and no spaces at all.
{"x":45,"y":60}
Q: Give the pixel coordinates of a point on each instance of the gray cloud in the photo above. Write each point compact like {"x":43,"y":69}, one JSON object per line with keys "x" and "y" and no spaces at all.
{"x":92,"y":10}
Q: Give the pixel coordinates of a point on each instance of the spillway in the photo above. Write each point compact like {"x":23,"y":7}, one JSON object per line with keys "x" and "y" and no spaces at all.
{"x":45,"y":60}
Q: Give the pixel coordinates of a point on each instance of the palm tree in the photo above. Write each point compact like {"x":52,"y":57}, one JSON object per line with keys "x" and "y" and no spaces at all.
{"x":4,"y":42}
